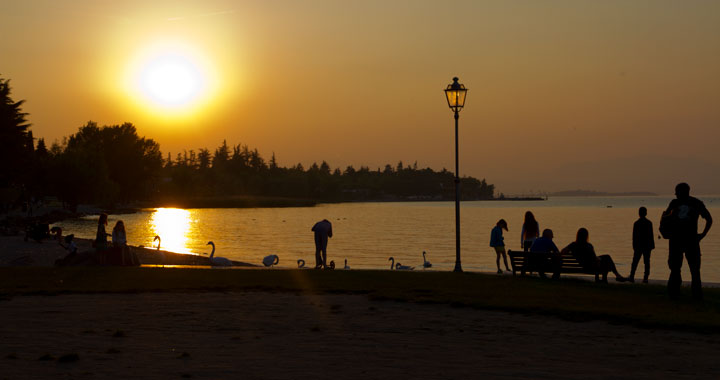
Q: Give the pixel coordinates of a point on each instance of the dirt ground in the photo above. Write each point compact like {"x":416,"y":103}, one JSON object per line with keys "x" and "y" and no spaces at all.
{"x":261,"y":335}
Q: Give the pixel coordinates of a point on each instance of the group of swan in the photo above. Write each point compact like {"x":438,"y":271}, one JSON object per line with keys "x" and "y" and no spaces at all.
{"x":272,"y":260}
{"x":398,"y":266}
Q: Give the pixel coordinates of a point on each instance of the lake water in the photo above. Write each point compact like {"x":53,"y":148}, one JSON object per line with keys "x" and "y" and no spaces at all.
{"x":366,"y":234}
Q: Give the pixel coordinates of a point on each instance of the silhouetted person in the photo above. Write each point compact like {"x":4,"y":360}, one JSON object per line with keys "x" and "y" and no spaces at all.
{"x":584,"y":253}
{"x":683,"y":213}
{"x":71,"y":247}
{"x":643,"y":243}
{"x":545,"y":244}
{"x":497,"y":241}
{"x":323,"y":231}
{"x":530,"y":231}
{"x":101,"y":243}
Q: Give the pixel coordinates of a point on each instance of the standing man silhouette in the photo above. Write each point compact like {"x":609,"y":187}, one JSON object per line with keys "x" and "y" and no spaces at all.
{"x":643,"y":243}
{"x":323,"y":231}
{"x":683,"y":213}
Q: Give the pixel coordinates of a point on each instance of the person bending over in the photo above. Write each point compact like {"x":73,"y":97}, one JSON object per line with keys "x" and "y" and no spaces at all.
{"x":497,"y":241}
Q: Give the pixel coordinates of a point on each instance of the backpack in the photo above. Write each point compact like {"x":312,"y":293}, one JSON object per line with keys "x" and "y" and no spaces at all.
{"x":668,"y":224}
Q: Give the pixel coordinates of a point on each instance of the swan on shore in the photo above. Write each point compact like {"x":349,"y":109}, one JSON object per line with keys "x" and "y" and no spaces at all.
{"x":392,"y":263}
{"x":426,"y":264}
{"x":399,"y":266}
{"x":301,"y":263}
{"x":162,"y":254}
{"x":271,"y":260}
{"x":218,"y":261}
{"x":346,"y":267}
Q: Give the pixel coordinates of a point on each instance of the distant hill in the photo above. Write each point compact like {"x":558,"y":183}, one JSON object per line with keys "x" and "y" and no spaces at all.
{"x":591,"y":193}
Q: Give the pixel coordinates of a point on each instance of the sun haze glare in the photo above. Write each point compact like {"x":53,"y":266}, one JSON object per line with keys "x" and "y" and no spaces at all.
{"x":170,"y":80}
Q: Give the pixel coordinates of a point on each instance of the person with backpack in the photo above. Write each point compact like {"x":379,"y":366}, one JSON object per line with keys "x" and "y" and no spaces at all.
{"x":679,"y":224}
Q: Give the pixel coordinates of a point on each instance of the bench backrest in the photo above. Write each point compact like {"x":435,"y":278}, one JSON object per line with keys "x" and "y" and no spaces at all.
{"x":518,"y":260}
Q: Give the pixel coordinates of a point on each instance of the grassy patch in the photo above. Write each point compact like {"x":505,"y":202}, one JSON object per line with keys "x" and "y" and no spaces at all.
{"x":574,"y":300}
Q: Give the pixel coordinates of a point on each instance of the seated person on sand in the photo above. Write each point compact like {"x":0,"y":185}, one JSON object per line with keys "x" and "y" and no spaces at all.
{"x":119,"y":241}
{"x":545,"y":244}
{"x":71,"y":247}
{"x":584,"y":253}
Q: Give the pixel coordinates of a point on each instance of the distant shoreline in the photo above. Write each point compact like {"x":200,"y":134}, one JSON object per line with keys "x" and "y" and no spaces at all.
{"x":590,"y":193}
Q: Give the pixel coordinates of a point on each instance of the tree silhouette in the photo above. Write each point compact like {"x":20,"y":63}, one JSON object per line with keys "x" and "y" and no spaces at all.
{"x":15,"y":140}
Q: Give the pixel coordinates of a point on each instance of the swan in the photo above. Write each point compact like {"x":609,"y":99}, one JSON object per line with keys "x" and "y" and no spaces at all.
{"x":399,"y":266}
{"x":218,"y":261}
{"x":392,"y":263}
{"x":426,"y":264}
{"x":346,"y":267}
{"x":162,"y":254}
{"x":271,"y":260}
{"x":301,"y":263}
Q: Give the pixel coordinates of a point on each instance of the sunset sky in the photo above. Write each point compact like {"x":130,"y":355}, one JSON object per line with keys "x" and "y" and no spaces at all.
{"x":601,"y":95}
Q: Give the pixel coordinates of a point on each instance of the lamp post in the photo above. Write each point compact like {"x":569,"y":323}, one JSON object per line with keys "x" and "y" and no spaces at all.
{"x":455,"y":93}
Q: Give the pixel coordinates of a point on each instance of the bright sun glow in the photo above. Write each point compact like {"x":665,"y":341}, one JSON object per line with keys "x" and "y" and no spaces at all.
{"x":170,"y":79}
{"x":173,"y":226}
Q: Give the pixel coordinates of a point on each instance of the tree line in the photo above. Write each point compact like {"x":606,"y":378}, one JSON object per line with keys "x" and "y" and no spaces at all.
{"x":114,"y":165}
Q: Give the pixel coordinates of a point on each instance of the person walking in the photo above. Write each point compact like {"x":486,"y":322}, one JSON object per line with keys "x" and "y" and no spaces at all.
{"x":679,"y":224}
{"x":497,"y":241}
{"x":529,"y":232}
{"x":323,"y":231}
{"x":643,"y":242}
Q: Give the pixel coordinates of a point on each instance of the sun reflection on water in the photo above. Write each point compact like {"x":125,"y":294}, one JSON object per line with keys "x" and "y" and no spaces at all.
{"x":173,"y":227}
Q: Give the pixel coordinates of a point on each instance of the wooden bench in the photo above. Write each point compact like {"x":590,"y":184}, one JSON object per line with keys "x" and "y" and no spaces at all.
{"x":519,"y":262}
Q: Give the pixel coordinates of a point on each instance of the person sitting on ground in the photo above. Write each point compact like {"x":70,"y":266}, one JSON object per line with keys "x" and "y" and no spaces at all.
{"x":545,"y":244}
{"x":584,"y":253}
{"x":497,"y":241}
{"x":71,"y":247}
{"x":119,"y":241}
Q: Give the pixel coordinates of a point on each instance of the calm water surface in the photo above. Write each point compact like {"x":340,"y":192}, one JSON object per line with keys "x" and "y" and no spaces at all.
{"x":366,"y":234}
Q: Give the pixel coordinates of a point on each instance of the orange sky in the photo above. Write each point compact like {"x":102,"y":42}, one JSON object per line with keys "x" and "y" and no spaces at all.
{"x":603,"y":95}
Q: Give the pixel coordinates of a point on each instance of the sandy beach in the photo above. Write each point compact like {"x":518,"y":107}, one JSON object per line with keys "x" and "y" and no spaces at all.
{"x":262,"y":335}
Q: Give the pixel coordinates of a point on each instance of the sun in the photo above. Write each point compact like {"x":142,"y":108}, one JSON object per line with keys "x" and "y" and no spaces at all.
{"x":171,"y":80}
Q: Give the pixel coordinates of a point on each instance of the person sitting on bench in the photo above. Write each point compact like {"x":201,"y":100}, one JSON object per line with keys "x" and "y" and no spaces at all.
{"x":584,"y":253}
{"x":545,"y":244}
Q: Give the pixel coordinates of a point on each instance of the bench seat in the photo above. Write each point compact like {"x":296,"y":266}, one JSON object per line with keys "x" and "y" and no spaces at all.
{"x":519,"y":262}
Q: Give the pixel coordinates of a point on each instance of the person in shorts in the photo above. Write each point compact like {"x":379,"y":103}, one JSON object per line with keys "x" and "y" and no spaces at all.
{"x":497,"y":241}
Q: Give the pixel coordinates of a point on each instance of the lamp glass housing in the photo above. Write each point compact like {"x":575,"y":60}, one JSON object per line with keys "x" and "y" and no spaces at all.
{"x":456,"y":94}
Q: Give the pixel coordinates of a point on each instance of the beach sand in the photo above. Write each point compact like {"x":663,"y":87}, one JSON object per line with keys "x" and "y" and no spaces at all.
{"x":263,"y":335}
{"x":15,"y":251}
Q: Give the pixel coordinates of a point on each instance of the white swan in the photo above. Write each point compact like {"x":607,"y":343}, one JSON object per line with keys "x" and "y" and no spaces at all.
{"x":162,"y":254}
{"x":218,"y":261}
{"x":399,"y":266}
{"x":301,"y":263}
{"x":346,"y":267}
{"x":271,"y":260}
{"x":392,"y":263}
{"x":426,"y":264}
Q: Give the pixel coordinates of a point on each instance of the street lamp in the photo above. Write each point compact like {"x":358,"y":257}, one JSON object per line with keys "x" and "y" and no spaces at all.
{"x":455,"y":94}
